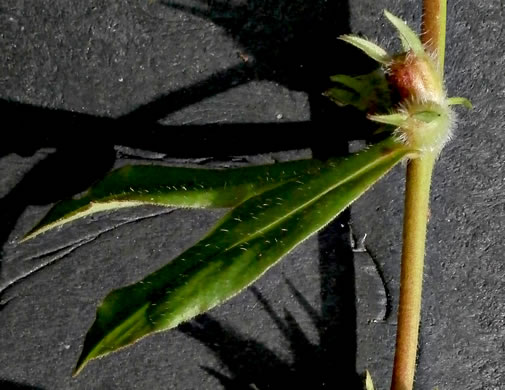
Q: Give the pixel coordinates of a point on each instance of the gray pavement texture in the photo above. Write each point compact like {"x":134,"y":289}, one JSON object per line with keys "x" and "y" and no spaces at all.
{"x":89,"y":85}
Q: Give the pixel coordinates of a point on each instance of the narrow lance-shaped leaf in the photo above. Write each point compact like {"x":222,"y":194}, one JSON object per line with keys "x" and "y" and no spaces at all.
{"x":172,"y":186}
{"x":244,"y":244}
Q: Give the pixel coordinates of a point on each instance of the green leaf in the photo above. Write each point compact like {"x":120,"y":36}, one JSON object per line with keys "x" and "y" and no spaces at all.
{"x":244,"y":244}
{"x":371,"y":49}
{"x":460,"y":100}
{"x":349,"y":81}
{"x":410,"y":40}
{"x":368,"y":92}
{"x":172,"y":187}
{"x":343,"y":97}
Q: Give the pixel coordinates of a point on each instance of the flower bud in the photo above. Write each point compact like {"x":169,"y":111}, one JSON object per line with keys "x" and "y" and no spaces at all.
{"x":422,"y":118}
{"x":415,"y":78}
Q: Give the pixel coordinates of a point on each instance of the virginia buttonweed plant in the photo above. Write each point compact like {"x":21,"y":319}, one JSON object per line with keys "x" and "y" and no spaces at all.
{"x":276,"y":207}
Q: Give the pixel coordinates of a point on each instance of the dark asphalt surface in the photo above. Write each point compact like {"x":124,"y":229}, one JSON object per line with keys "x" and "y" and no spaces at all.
{"x":86,"y":86}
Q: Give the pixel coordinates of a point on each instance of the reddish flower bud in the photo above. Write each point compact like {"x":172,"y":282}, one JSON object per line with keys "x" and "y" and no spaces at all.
{"x":422,"y":117}
{"x":415,"y":78}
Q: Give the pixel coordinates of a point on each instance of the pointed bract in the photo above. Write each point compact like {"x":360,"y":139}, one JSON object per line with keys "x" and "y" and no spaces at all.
{"x":460,"y":101}
{"x":368,"y":381}
{"x":371,"y":49}
{"x":409,"y":38}
{"x":395,"y":119}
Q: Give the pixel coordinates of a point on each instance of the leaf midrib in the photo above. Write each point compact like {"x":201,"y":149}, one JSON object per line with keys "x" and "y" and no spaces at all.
{"x":306,"y":204}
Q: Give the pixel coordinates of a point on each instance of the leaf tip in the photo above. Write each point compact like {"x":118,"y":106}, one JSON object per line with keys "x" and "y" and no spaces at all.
{"x":369,"y":48}
{"x":410,"y":40}
{"x":77,"y":370}
{"x":27,"y":237}
{"x":84,"y":359}
{"x":368,"y":381}
{"x":34,"y":232}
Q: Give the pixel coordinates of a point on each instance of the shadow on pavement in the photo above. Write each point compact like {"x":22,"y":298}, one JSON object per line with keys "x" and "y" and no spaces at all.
{"x":7,"y":385}
{"x":331,"y":363}
{"x":291,"y":42}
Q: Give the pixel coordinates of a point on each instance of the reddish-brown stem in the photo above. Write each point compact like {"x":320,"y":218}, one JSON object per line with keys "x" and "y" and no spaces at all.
{"x":433,"y":28}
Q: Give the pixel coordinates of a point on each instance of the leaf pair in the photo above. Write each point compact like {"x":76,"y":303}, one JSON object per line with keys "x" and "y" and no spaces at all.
{"x":276,"y":208}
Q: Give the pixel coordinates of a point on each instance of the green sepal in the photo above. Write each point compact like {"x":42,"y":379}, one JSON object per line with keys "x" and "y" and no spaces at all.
{"x":410,"y":40}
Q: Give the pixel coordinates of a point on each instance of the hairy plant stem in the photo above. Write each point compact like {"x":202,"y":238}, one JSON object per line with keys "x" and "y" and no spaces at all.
{"x":433,"y":29}
{"x":416,"y":214}
{"x":417,"y":193}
